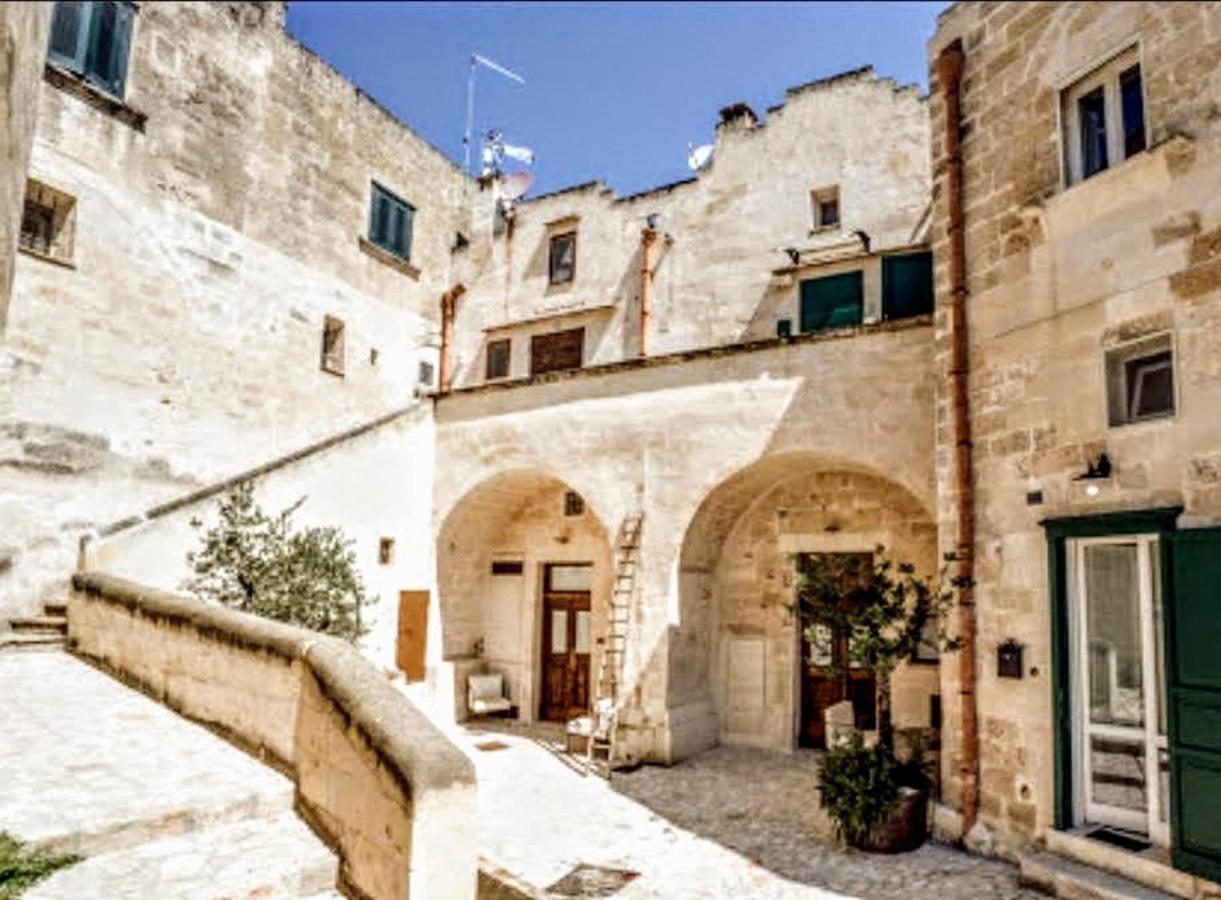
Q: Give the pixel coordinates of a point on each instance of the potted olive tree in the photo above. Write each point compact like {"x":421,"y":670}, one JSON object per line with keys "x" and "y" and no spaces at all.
{"x":876,"y":800}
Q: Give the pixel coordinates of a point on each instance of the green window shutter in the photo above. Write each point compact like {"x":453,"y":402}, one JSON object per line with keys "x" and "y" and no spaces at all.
{"x":408,"y":222}
{"x":835,"y":301}
{"x":70,"y":34}
{"x":1193,"y":623}
{"x":390,"y":222}
{"x":109,"y":40}
{"x":907,"y":285}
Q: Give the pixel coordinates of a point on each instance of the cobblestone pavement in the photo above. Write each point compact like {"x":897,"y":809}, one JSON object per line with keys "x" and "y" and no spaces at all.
{"x":731,"y":823}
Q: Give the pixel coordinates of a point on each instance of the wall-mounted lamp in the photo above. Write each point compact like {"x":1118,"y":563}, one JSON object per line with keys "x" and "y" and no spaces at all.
{"x":1098,"y":470}
{"x":652,"y":220}
{"x":794,"y":254}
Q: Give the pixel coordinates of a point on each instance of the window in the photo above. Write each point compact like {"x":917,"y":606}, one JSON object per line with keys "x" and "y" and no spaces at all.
{"x":332,"y":345}
{"x":574,"y":503}
{"x":390,"y":220}
{"x":825,"y":204}
{"x":1104,"y":117}
{"x":907,"y":285}
{"x":562,"y":259}
{"x":832,"y":302}
{"x":507,"y":567}
{"x":1140,"y":381}
{"x":385,"y":551}
{"x":424,"y":373}
{"x":48,"y":222}
{"x":498,"y":359}
{"x":92,"y":40}
{"x":556,"y":351}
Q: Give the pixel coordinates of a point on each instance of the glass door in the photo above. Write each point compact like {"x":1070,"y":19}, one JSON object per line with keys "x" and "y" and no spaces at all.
{"x":1121,"y":736}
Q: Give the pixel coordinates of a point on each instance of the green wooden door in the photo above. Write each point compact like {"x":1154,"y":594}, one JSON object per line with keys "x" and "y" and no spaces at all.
{"x":832,"y":302}
{"x":907,"y":285}
{"x":1194,"y":643}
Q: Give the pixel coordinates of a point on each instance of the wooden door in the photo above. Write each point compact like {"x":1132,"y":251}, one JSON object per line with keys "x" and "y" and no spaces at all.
{"x":1194,"y":621}
{"x":413,"y":633}
{"x":567,"y":635}
{"x":827,"y":677}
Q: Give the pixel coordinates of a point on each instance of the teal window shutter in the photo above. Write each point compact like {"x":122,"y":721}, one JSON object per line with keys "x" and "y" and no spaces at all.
{"x":907,"y":285}
{"x":70,"y":34}
{"x":835,"y":301}
{"x":390,"y":222}
{"x":92,"y":38}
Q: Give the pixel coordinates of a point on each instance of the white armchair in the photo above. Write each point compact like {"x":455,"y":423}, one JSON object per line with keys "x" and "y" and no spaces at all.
{"x":485,"y":695}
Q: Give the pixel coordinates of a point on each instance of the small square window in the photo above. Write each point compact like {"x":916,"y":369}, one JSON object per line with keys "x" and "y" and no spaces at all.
{"x":562,"y":259}
{"x":332,"y":345}
{"x":390,"y":222}
{"x":48,"y":222}
{"x":1104,"y":117}
{"x":385,"y":551}
{"x":574,"y":503}
{"x":1140,"y":381}
{"x":498,"y":359}
{"x":425,"y":373}
{"x":825,"y":205}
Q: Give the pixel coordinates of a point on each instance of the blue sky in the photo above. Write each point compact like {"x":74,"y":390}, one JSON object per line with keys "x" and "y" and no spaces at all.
{"x":614,"y":90}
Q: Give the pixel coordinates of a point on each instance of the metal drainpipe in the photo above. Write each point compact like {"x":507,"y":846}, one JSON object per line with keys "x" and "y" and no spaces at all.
{"x":949,"y":77}
{"x":449,"y":304}
{"x":648,"y":237}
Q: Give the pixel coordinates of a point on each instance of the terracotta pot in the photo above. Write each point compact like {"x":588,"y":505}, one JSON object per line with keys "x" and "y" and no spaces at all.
{"x":905,"y":830}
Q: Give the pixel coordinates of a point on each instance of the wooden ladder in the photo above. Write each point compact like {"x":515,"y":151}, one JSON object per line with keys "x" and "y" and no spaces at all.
{"x":601,"y":751}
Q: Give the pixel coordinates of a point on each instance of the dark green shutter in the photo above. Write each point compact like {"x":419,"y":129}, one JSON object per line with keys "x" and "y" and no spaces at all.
{"x":1193,"y":647}
{"x":832,"y":302}
{"x":907,"y":285}
{"x":405,"y":236}
{"x":70,"y":35}
{"x":390,"y":222}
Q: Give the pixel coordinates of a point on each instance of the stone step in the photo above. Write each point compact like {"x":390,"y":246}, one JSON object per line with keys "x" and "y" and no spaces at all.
{"x":276,"y":858}
{"x":55,"y":609}
{"x":39,"y":624}
{"x":1072,"y":880}
{"x":47,"y":641}
{"x":1151,"y":868}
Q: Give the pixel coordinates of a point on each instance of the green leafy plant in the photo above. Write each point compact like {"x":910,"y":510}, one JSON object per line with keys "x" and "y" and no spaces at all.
{"x":859,"y":788}
{"x":258,"y":563}
{"x":20,"y":868}
{"x":885,"y":608}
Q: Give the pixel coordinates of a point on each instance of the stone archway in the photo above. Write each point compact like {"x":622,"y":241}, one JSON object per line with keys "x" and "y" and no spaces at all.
{"x":494,"y":551}
{"x":736,"y":663}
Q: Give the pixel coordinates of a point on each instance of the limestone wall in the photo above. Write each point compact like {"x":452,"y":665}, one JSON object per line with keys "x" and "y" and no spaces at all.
{"x":658,"y":437}
{"x":373,"y":485}
{"x":1055,"y":277}
{"x":218,"y":215}
{"x":380,"y":784}
{"x":23,"y":37}
{"x":723,"y":232}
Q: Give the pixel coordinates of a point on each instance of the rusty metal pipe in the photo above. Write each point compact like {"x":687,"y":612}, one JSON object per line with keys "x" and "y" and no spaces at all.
{"x":949,"y":77}
{"x":449,"y":306}
{"x":648,"y":239}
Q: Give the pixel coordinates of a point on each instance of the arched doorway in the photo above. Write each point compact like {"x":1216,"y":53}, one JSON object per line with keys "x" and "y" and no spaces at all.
{"x":523,"y":578}
{"x":739,"y":644}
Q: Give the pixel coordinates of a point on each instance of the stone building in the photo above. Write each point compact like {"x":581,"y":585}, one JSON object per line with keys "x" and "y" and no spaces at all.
{"x":1090,"y":154}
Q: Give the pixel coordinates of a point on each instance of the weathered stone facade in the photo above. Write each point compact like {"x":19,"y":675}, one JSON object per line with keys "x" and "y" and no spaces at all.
{"x":220,"y":215}
{"x":1057,"y":275}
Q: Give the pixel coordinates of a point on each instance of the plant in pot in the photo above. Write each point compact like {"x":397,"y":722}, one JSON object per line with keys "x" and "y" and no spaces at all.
{"x":886,"y":611}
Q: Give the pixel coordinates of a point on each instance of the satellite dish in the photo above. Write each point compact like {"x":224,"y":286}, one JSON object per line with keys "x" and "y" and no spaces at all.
{"x":515,"y":185}
{"x":699,"y":157}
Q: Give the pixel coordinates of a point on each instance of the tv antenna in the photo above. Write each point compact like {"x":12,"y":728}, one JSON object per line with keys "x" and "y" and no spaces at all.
{"x":476,"y":62}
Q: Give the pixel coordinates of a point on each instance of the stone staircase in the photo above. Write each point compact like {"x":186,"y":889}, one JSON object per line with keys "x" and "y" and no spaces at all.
{"x":46,"y":632}
{"x":1076,"y":867}
{"x":160,"y":807}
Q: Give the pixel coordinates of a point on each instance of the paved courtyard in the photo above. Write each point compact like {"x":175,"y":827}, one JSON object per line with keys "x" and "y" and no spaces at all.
{"x":731,"y":823}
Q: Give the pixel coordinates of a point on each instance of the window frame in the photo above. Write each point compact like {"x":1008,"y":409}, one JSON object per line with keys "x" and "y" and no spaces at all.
{"x":334,"y":361}
{"x":58,"y":209}
{"x":1117,"y":362}
{"x":507,"y":343}
{"x":81,"y":62}
{"x":378,"y":192}
{"x":552,"y":280}
{"x":1106,"y":75}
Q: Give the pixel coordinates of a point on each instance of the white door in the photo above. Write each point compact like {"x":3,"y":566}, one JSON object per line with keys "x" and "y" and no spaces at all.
{"x":1120,"y":707}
